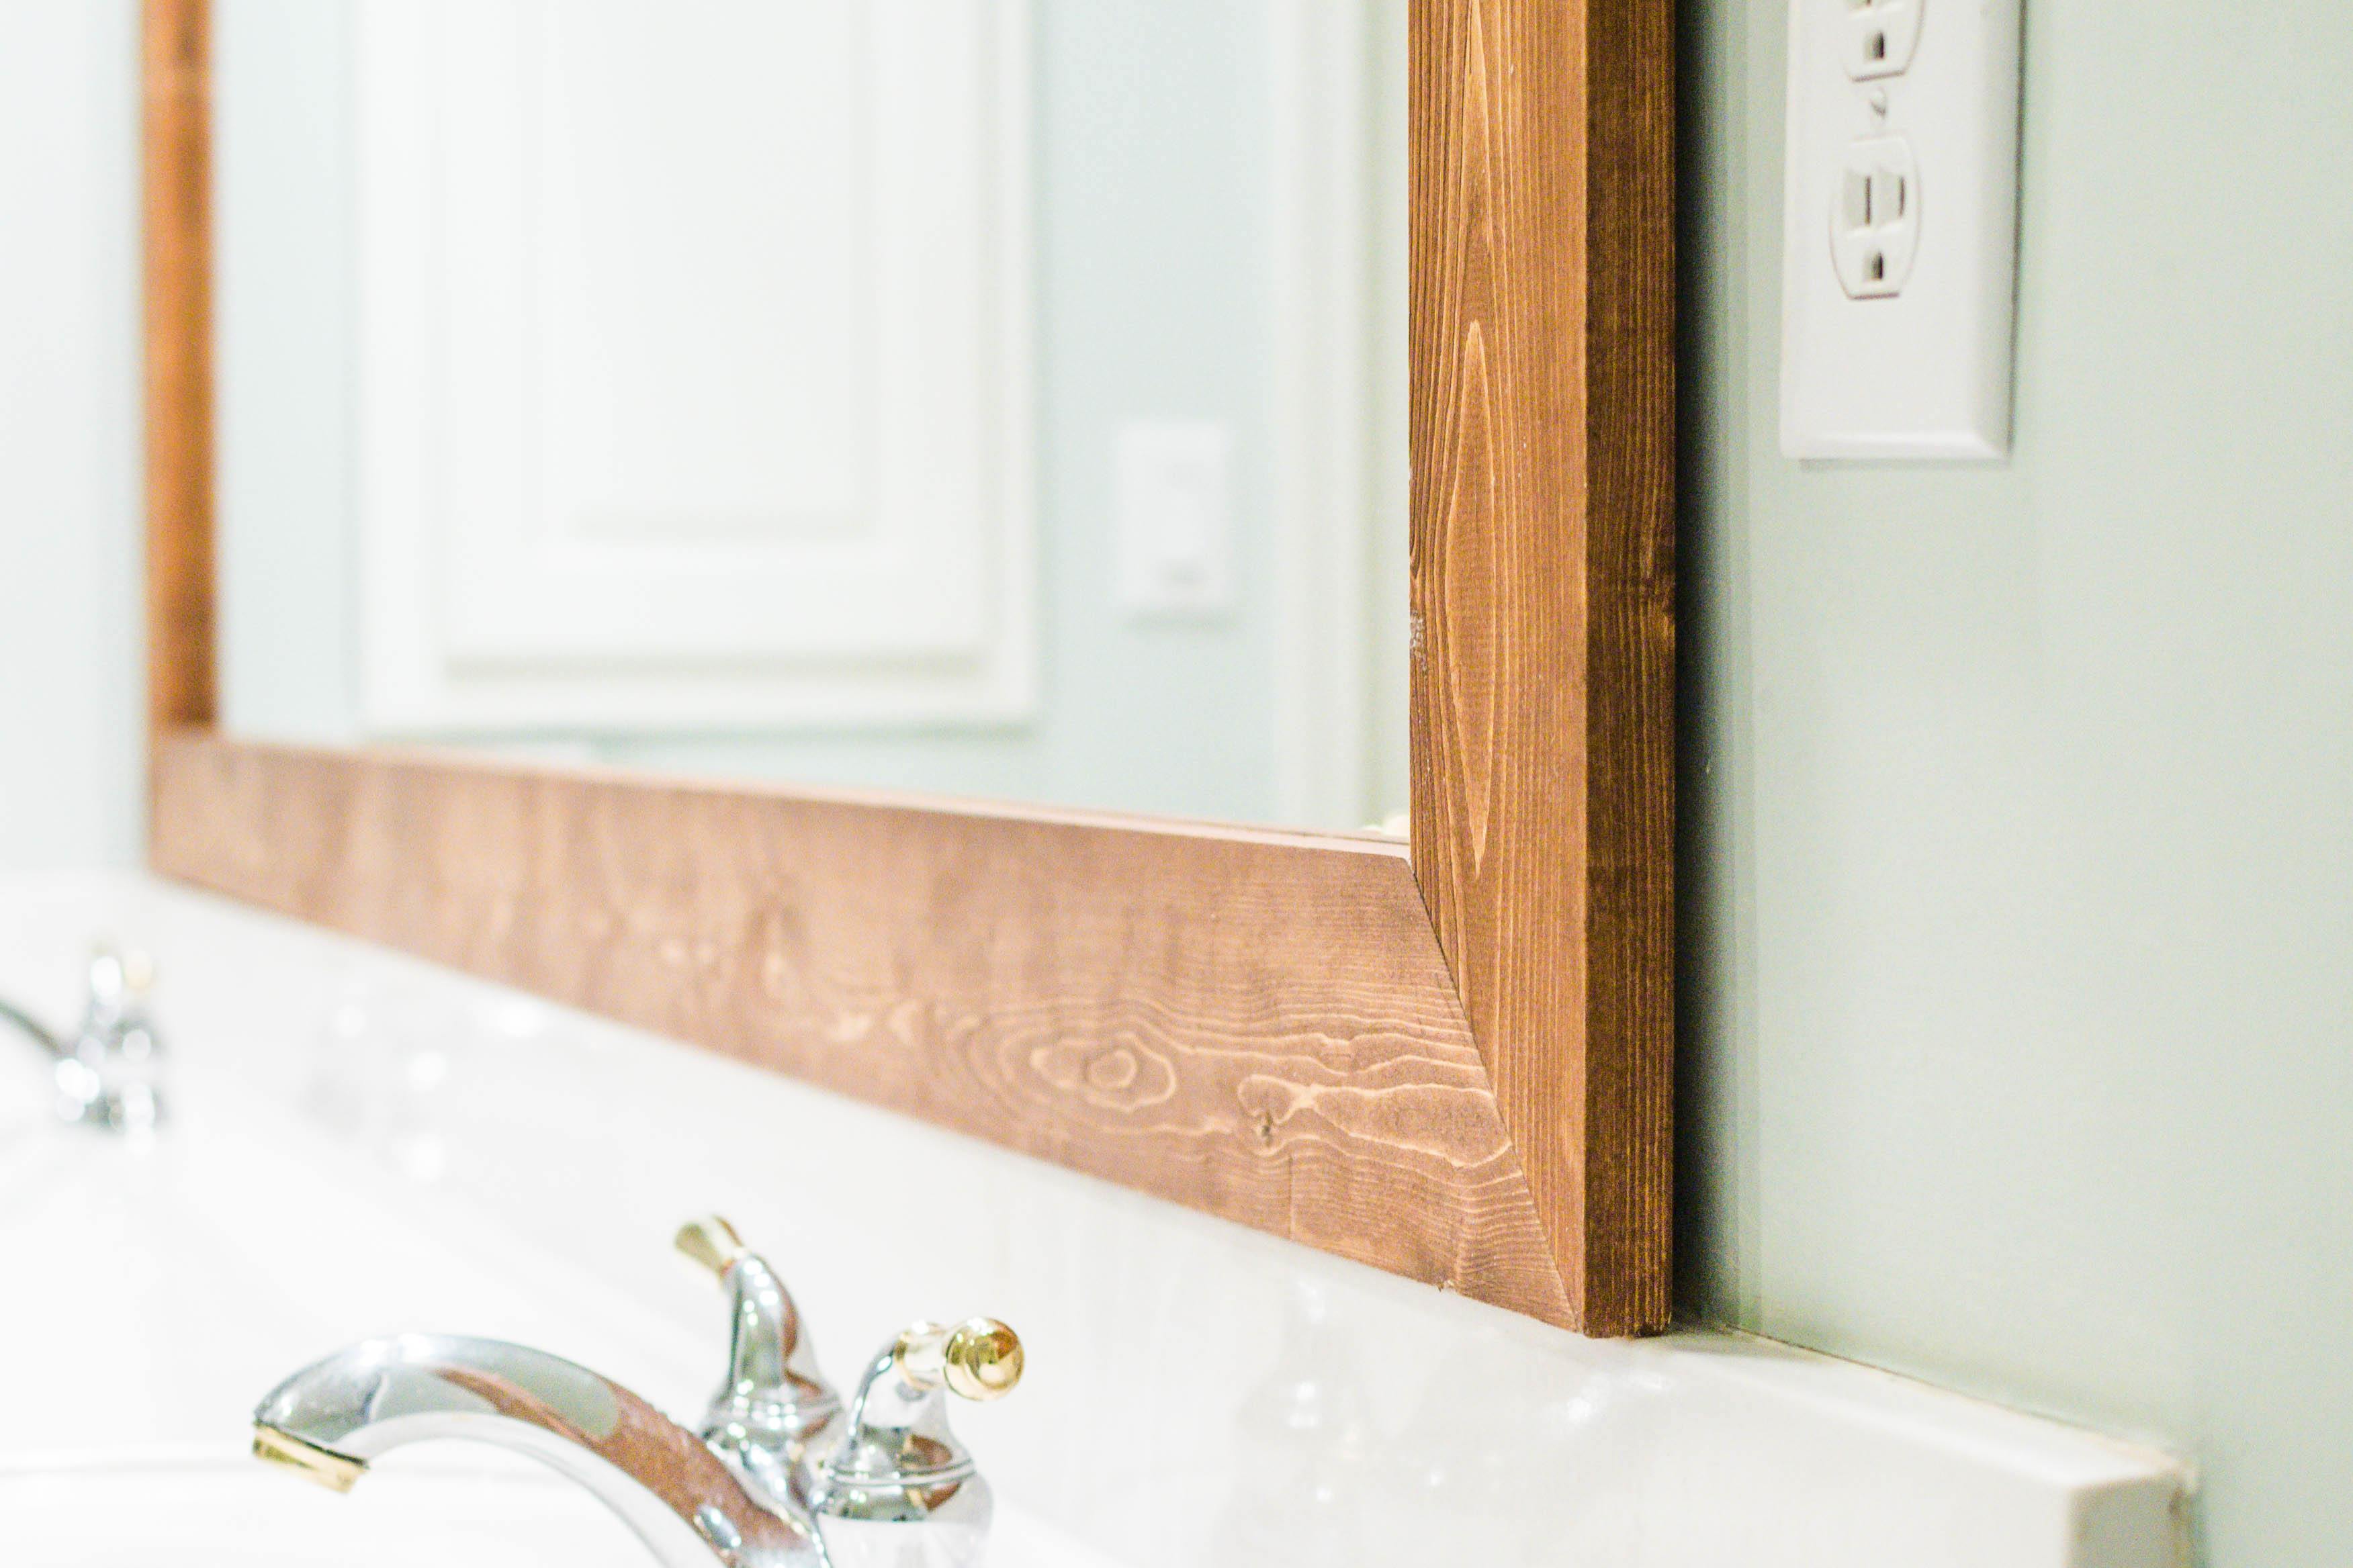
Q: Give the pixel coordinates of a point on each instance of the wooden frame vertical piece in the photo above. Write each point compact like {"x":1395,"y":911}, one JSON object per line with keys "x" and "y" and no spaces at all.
{"x":1542,"y":597}
{"x":176,"y":171}
{"x":1456,"y":1067}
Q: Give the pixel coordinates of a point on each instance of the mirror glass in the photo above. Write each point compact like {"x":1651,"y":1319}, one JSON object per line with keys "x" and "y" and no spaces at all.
{"x":995,"y":398}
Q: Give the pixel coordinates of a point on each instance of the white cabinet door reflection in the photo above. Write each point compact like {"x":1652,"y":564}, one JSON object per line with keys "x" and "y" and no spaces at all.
{"x":693,"y":379}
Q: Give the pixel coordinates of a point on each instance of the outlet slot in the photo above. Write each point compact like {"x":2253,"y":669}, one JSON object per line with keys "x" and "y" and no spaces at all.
{"x":1876,"y":219}
{"x":1879,"y":38}
{"x":1875,"y":197}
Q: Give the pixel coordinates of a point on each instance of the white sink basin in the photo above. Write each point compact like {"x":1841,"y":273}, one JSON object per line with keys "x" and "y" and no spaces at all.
{"x":460,"y":1506}
{"x":163,"y":1290}
{"x":199,"y":1510}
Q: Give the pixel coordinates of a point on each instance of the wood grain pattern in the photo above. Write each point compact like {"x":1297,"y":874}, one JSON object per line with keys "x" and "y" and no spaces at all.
{"x":1543,"y":584}
{"x":1256,"y":1024}
{"x":176,"y":140}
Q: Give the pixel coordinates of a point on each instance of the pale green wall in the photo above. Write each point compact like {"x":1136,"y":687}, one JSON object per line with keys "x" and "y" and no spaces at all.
{"x":71,"y":712}
{"x":2018,"y":916}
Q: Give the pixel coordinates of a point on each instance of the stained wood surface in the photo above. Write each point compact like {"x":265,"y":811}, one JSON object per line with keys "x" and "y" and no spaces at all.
{"x":1542,"y":588}
{"x":175,"y":141}
{"x":1258,"y":1025}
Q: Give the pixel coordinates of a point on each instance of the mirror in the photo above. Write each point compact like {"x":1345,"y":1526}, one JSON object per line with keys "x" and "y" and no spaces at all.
{"x":992,"y":398}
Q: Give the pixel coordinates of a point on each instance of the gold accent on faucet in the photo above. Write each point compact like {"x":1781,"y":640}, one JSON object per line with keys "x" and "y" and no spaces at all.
{"x":983,"y":1359}
{"x":712,"y":1242}
{"x":336,"y":1472}
{"x":979,"y":1359}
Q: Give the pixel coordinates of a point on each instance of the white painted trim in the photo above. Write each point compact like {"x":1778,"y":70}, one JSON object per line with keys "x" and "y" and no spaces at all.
{"x":1319,"y":341}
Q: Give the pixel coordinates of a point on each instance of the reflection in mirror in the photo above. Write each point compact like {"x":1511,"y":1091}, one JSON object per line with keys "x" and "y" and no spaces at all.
{"x":998,"y":398}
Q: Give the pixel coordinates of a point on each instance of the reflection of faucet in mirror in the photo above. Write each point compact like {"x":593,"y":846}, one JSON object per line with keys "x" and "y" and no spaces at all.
{"x":106,"y":1073}
{"x":772,"y":1483}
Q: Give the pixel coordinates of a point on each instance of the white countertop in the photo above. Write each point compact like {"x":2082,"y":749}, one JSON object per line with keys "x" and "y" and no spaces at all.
{"x":361,"y":1144}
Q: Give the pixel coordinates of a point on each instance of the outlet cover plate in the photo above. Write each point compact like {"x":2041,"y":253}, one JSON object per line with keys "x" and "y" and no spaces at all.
{"x":1922,"y":371}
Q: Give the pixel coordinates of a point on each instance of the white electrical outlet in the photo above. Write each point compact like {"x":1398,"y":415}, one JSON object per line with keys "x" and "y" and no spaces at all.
{"x":1900,"y":223}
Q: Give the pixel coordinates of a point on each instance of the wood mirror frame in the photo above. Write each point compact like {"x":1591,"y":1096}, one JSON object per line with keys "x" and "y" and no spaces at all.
{"x":1454,"y":1064}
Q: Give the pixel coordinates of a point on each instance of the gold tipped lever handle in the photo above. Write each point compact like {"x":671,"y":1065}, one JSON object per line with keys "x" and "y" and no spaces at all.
{"x":901,"y":1466}
{"x":979,"y":1359}
{"x":775,"y":1404}
{"x":712,"y":1242}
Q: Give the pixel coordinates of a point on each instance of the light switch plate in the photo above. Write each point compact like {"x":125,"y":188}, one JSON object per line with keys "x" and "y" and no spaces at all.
{"x":1173,"y":508}
{"x":1900,"y":228}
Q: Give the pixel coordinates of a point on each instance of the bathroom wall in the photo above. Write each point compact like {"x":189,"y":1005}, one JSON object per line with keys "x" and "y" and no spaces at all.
{"x":2017,"y":847}
{"x":70,"y":679}
{"x":2019,"y":869}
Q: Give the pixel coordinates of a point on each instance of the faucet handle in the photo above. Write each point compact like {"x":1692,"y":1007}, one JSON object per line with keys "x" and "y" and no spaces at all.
{"x":115,"y":1058}
{"x":120,"y":978}
{"x":979,"y":1357}
{"x":901,"y":1474}
{"x":711,"y":1241}
{"x":774,"y":1412}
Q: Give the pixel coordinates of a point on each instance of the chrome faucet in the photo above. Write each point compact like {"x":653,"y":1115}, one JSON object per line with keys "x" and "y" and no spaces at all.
{"x":776,"y":1479}
{"x":678,"y":1495}
{"x":106,"y":1074}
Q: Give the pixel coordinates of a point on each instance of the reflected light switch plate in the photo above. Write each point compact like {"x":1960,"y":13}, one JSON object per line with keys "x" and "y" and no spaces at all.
{"x":1172,"y":504}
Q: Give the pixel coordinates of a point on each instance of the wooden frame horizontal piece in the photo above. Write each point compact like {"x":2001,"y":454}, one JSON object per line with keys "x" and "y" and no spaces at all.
{"x":1455,"y":1065}
{"x":1257,"y":1025}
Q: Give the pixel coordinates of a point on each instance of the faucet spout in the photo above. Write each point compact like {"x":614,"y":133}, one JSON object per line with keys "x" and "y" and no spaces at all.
{"x":331,"y":1419}
{"x":31,"y":1028}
